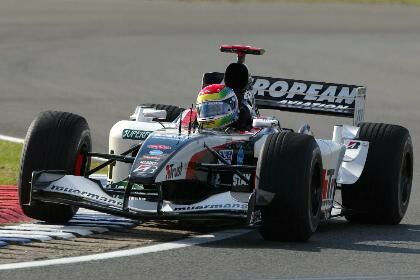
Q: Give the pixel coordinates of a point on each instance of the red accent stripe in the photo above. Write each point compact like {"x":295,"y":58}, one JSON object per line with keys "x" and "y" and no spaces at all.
{"x":186,"y":117}
{"x":78,"y":165}
{"x":324,"y":184}
{"x":10,"y":211}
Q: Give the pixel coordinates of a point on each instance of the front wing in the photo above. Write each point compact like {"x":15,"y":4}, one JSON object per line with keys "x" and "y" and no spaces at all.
{"x":55,"y":187}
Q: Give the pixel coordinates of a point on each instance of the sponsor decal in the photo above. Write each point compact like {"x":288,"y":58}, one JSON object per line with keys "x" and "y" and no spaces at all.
{"x":159,"y":147}
{"x":314,"y":105}
{"x":171,"y":137}
{"x":238,"y":182}
{"x":304,"y":90}
{"x":155,"y":152}
{"x":135,"y":134}
{"x":85,"y":194}
{"x":353,"y":145}
{"x":149,"y":157}
{"x":148,"y":162}
{"x":226,"y":155}
{"x":305,"y":95}
{"x":173,"y":170}
{"x":328,"y":185}
{"x":240,"y":157}
{"x":230,"y":206}
{"x":145,"y":168}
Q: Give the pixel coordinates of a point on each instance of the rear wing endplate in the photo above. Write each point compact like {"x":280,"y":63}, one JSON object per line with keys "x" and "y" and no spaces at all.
{"x":304,"y":96}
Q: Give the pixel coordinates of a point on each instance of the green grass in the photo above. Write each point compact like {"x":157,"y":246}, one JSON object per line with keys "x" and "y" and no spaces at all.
{"x":10,"y":160}
{"x":405,"y":2}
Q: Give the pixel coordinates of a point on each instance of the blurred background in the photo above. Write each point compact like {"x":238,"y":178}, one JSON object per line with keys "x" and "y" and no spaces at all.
{"x":101,"y":58}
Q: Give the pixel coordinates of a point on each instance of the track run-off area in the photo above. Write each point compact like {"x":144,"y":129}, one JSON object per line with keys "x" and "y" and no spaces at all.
{"x":100,"y":58}
{"x":91,"y":235}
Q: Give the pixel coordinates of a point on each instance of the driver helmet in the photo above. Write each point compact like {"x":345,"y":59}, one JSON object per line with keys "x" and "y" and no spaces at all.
{"x":217,"y":106}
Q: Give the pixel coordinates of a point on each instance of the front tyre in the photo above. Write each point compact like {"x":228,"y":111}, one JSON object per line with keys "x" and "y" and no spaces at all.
{"x":290,"y":168}
{"x":54,"y":141}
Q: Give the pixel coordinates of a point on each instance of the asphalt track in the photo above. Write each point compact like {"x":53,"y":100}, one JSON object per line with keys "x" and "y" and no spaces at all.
{"x":100,"y":58}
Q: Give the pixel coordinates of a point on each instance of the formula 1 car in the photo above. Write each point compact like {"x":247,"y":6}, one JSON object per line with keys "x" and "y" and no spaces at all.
{"x":162,"y":166}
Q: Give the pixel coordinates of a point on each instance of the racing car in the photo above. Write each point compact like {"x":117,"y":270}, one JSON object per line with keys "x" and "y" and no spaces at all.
{"x":161,"y":165}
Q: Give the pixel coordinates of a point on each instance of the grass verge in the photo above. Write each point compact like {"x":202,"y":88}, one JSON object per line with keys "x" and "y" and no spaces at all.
{"x":10,"y":160}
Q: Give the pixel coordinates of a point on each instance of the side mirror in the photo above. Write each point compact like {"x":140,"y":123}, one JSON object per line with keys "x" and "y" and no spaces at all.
{"x":152,"y":113}
{"x":265,"y":123}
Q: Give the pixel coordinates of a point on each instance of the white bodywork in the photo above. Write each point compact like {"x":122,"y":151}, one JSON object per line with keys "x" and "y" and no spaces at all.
{"x":356,"y":151}
{"x":118,"y":145}
{"x":119,"y":141}
{"x":343,"y":159}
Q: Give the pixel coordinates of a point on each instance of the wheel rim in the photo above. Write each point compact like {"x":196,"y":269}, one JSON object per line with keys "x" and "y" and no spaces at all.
{"x":79,"y":164}
{"x":405,"y":181}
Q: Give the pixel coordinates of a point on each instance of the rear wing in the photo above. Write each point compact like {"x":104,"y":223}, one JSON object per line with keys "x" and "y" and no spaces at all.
{"x":310,"y":97}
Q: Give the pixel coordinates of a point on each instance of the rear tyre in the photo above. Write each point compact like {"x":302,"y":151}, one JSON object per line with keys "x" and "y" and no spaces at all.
{"x":382,"y":193}
{"x":172,"y":111}
{"x":290,"y":167}
{"x":55,"y":141}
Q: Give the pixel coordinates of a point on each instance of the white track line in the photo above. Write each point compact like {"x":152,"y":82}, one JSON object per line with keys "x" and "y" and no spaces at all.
{"x":20,"y":141}
{"x":192,"y":241}
{"x":11,"y":139}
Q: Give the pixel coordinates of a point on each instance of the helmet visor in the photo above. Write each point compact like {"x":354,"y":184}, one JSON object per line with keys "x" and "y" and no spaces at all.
{"x":216,"y":108}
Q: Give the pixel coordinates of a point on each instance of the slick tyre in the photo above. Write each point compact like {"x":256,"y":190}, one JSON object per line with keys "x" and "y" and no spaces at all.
{"x":54,"y":141}
{"x":382,"y":193}
{"x":172,"y":112}
{"x":290,"y":170}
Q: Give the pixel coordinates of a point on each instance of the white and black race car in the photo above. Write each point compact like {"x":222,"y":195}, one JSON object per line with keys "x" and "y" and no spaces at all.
{"x":162,"y":166}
